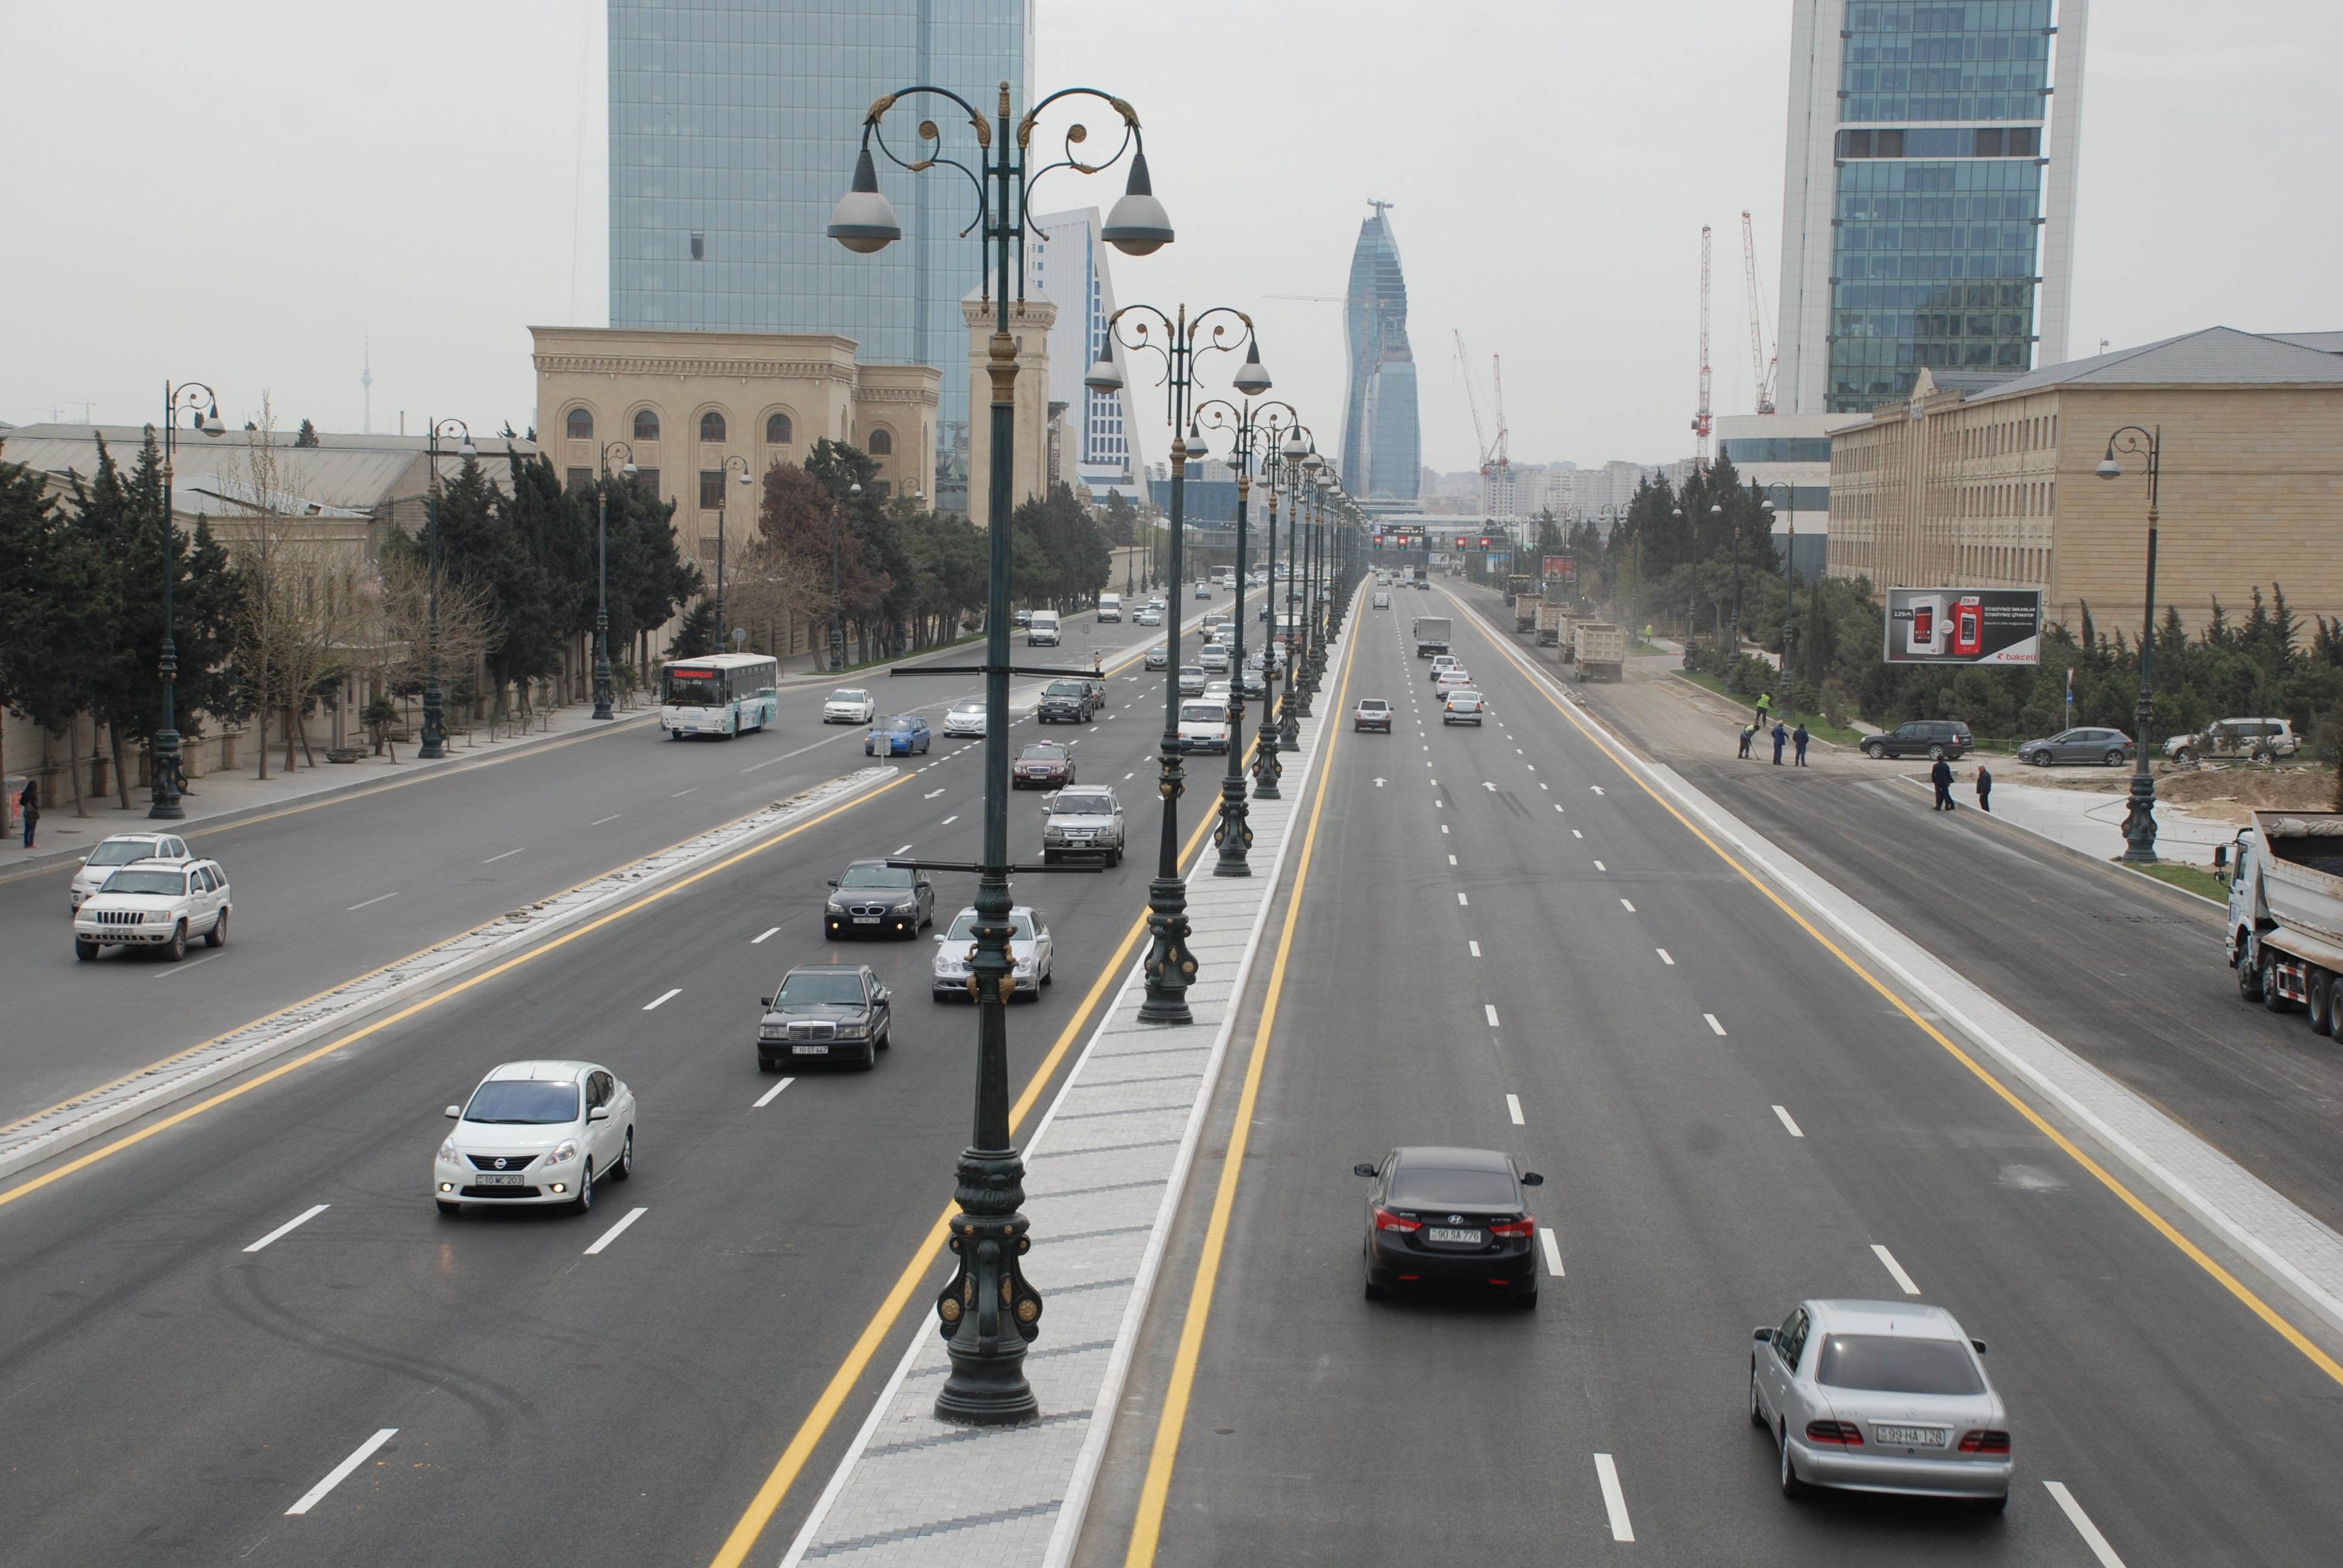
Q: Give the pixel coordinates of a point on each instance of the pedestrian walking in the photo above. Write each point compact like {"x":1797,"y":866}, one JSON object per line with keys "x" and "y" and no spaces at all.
{"x":1941,"y":775}
{"x":1748,"y":733}
{"x":1781,"y":739}
{"x":1985,"y":787}
{"x":1799,"y":739}
{"x":28,"y":805}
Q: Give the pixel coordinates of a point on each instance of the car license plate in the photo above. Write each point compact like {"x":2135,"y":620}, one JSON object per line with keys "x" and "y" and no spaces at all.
{"x":866,"y":920}
{"x":1910,"y":1436}
{"x":1463,"y":1238}
{"x":809,"y":1050}
{"x":498,"y":1179}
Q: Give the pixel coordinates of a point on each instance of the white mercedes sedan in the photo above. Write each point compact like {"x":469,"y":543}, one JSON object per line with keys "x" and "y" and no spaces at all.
{"x":537,"y":1132}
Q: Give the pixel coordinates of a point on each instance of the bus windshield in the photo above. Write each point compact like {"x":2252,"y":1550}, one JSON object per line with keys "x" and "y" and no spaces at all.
{"x":697,"y":689}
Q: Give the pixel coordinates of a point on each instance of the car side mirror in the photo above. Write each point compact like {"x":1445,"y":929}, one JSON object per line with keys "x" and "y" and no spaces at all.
{"x":1363,"y":1169}
{"x":882,"y":994}
{"x":2220,"y":856}
{"x":1531,"y":1179}
{"x":1977,"y":1345}
{"x":925,"y":885}
{"x":599,"y":1113}
{"x":1763,"y":1336}
{"x":454,"y":1113}
{"x":831,"y":883}
{"x":766,"y":1002}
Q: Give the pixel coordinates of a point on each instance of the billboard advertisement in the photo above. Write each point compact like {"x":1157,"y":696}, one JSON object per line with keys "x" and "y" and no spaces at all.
{"x":1563,"y":566}
{"x":1963,"y":625}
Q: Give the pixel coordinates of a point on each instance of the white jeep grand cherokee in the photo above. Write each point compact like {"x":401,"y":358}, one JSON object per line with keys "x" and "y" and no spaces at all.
{"x":155,"y":903}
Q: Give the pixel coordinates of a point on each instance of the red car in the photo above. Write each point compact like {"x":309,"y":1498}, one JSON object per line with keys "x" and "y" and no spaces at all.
{"x":1043,"y":765}
{"x":1373,"y":713}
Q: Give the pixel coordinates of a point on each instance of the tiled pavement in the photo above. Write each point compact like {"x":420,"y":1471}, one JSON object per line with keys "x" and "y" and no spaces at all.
{"x":1104,"y":1172}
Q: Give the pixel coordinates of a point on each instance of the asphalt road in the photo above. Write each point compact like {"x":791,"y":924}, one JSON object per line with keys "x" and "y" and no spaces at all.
{"x":168,"y":1393}
{"x":1728,"y":1118}
{"x":330,"y":890}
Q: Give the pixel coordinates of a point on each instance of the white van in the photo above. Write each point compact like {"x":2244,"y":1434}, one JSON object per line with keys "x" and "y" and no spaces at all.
{"x":1043,"y":632}
{"x":1203,"y":726}
{"x":1109,"y":606}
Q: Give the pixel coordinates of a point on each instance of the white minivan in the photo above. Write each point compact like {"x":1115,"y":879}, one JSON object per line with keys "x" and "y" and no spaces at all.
{"x":1109,"y":606}
{"x":1043,"y":632}
{"x":1203,"y":726}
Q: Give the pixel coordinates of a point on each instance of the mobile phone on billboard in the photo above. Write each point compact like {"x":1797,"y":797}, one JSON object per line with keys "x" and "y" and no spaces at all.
{"x":1968,"y":627}
{"x":1926,"y":625}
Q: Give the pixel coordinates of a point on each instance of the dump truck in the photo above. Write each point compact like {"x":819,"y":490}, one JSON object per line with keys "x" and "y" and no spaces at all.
{"x":1516,"y":585}
{"x":1525,"y":610}
{"x":1431,"y":632}
{"x":1602,"y":650}
{"x":1553,"y":623}
{"x":2285,"y":930}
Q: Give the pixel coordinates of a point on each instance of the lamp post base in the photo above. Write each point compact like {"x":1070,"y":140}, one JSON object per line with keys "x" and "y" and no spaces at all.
{"x":2140,"y":822}
{"x":1234,"y":833}
{"x":988,"y":1313}
{"x":163,"y":793}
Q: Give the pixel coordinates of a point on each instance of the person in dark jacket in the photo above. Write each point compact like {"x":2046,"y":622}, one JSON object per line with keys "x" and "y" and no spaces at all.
{"x":1985,"y":787}
{"x":1781,"y":739}
{"x":1941,"y":775}
{"x":1799,"y":739}
{"x":1748,"y":733}
{"x":28,"y":805}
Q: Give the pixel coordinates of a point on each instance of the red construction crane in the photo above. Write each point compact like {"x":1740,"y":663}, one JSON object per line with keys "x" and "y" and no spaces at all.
{"x":1700,"y":421}
{"x":1762,"y":367}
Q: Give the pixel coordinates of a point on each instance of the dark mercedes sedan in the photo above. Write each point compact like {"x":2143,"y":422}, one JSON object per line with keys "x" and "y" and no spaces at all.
{"x":1451,"y":1216}
{"x":824,"y":1012}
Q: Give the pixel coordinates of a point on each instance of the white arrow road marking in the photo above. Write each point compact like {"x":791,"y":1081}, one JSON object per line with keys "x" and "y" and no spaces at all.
{"x":341,"y":1471}
{"x":1596,"y":787}
{"x":1895,"y":1269}
{"x":1379,"y":783}
{"x":932,"y":794}
{"x":1492,"y":789}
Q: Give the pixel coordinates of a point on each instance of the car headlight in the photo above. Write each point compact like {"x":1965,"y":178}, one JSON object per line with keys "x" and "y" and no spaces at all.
{"x":1024,"y":966}
{"x":448,"y":1154}
{"x":563,"y":1152}
{"x":907,"y":909}
{"x":772,"y":1031}
{"x":851,"y":1032}
{"x":1054,"y":835}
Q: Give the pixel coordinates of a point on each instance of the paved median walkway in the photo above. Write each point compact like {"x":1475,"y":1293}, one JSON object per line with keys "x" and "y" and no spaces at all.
{"x":1103,"y":1172}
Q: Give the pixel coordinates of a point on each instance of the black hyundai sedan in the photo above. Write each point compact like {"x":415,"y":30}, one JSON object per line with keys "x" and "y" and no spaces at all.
{"x":1451,"y":1216}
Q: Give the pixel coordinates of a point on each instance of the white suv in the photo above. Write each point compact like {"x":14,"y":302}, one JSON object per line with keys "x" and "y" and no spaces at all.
{"x":155,"y":903}
{"x":111,"y":855}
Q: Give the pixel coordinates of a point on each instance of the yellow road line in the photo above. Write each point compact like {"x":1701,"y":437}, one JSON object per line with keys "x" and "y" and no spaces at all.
{"x":1147,"y":1527}
{"x":2131,"y":1200}
{"x":835,"y":1393}
{"x":564,"y":939}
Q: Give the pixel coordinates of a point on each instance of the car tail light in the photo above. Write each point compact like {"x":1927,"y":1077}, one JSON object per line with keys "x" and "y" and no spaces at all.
{"x":1984,"y":1442}
{"x":1525,"y":1226}
{"x":1844,"y":1432}
{"x":1387,"y":1220}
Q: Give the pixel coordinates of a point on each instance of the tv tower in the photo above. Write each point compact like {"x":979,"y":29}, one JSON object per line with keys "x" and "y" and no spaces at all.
{"x":365,"y":384}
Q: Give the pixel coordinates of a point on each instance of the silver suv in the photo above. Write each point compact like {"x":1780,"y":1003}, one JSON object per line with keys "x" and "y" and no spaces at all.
{"x":1082,"y":823}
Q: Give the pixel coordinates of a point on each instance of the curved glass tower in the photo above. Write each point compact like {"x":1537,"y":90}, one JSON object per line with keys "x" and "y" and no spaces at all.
{"x":1382,"y":447}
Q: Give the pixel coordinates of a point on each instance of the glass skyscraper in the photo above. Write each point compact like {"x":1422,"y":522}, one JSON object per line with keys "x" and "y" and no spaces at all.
{"x":1928,"y":209}
{"x":1382,"y":445}
{"x":734,"y":125}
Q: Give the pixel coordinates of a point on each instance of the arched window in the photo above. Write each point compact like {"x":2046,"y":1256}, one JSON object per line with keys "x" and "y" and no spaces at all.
{"x":777,"y":430}
{"x":711,"y":426}
{"x":882,"y":444}
{"x":581,"y":425}
{"x":646,"y":425}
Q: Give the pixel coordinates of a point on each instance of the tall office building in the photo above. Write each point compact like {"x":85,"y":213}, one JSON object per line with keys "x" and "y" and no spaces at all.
{"x":1382,"y":445}
{"x":1066,"y":262}
{"x":1928,"y":203}
{"x":734,"y":125}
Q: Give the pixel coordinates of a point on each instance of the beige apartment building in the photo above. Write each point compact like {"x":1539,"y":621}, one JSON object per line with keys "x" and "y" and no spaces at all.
{"x":1986,"y":481}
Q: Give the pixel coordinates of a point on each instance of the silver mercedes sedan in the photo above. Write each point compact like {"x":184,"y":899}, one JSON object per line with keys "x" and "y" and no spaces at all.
{"x":1880,"y":1396}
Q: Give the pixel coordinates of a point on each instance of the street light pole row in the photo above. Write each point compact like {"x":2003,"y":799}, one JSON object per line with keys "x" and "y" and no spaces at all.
{"x":163,"y":794}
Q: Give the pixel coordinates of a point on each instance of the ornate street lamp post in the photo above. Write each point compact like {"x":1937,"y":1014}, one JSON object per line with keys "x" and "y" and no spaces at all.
{"x":1282,"y":463}
{"x":435,"y":718}
{"x":989,"y":1311}
{"x":1302,"y":485}
{"x":1170,"y":965}
{"x":602,"y":588}
{"x":1234,"y":834}
{"x":163,"y":793}
{"x":2139,"y":816}
{"x":723,"y":636}
{"x":836,"y":600}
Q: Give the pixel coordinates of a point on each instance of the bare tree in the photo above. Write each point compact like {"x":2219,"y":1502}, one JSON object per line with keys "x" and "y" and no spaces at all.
{"x":397,"y":638}
{"x":771,"y":583}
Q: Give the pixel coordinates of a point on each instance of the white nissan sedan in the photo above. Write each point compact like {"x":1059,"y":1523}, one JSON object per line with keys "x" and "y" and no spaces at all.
{"x":537,"y":1133}
{"x":850,"y":705}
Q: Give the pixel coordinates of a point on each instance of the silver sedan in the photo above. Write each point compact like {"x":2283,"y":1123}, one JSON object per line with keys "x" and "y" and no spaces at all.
{"x":1880,"y":1396}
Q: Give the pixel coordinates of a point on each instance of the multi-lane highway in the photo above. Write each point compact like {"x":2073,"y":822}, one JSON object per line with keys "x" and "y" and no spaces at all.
{"x":1729,"y":1116}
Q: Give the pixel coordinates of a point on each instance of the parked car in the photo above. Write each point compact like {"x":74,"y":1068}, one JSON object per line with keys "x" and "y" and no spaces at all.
{"x":1930,"y":738}
{"x":1042,"y":765}
{"x":2111,"y":747}
{"x":1083,"y":824}
{"x":1159,"y":657}
{"x":1064,"y":702}
{"x":1451,"y":1216}
{"x":1372,"y":713}
{"x":1880,"y":1396}
{"x":2262,"y":739}
{"x":1464,"y":706}
{"x":110,"y":854}
{"x":825,"y":1012}
{"x":965,"y":717}
{"x":850,"y":705}
{"x":1031,"y":955}
{"x":155,"y":903}
{"x":905,"y":735}
{"x":537,"y":1133}
{"x":871,"y":895}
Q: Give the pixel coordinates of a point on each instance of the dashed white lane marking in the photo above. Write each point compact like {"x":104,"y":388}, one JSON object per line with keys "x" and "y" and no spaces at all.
{"x":616,"y":1231}
{"x":1462,"y":899}
{"x":1440,"y":805}
{"x":949,"y":821}
{"x":1791,"y":1126}
{"x":1491,"y":1008}
{"x":1714,"y":1026}
{"x":377,"y":898}
{"x":681,"y":793}
{"x":492,"y":860}
{"x":1601,"y":867}
{"x":1622,"y":903}
{"x":772,"y":1095}
{"x":1452,"y":859}
{"x":1514,"y":1109}
{"x":1664,"y":957}
{"x":1576,"y":834}
{"x":774,"y":933}
{"x":902,"y":850}
{"x":1129,"y":775}
{"x":1443,"y":827}
{"x":1615,"y":1501}
{"x":1553,"y":1252}
{"x":288,"y":1226}
{"x":341,"y":1473}
{"x":1476,"y":947}
{"x":2083,"y":1525}
{"x":668,"y":997}
{"x":1895,"y":1268}
{"x":1533,"y":768}
{"x":611,"y":818}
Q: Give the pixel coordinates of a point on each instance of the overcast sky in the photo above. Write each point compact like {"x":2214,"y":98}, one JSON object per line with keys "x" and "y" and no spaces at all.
{"x":241,"y":193}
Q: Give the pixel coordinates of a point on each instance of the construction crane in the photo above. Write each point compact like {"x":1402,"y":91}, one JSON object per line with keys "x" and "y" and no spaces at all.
{"x":1700,"y":419}
{"x":1497,"y":465}
{"x":1762,"y":366}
